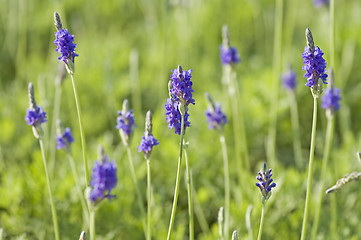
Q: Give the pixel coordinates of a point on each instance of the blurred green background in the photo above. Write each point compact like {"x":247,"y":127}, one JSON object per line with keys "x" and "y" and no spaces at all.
{"x":126,"y":50}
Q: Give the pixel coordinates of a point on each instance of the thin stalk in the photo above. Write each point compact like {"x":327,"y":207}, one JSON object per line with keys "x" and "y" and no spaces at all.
{"x":139,"y":195}
{"x":295,"y":129}
{"x":78,"y":188}
{"x":81,"y":131}
{"x":226,"y":187}
{"x":277,"y":44}
{"x":326,"y":154}
{"x":56,"y":111}
{"x":53,"y":211}
{"x":149,"y":200}
{"x":92,"y":224}
{"x":260,"y":230}
{"x":176,"y":190}
{"x":190,"y":203}
{"x":310,"y":166}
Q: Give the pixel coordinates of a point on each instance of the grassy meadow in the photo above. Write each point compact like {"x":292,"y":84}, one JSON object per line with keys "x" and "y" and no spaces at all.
{"x":126,"y":51}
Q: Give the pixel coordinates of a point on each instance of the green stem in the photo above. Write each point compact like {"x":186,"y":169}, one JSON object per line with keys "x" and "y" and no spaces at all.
{"x":176,"y":190}
{"x":56,"y":111}
{"x":53,"y":211}
{"x":296,"y":129}
{"x":277,"y":43}
{"x":78,"y":188}
{"x":81,"y":131}
{"x":139,"y":195}
{"x":309,"y":181}
{"x":92,"y":224}
{"x":261,"y":223}
{"x":226,"y":187}
{"x":149,"y":200}
{"x":190,"y":202}
{"x":326,"y":154}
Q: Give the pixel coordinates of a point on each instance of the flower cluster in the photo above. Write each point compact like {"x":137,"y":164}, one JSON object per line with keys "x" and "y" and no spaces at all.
{"x":229,"y":55}
{"x":216,"y":119}
{"x":289,"y":80}
{"x":125,"y":121}
{"x":320,"y":3}
{"x":35,"y":117}
{"x":64,"y":139}
{"x":315,"y":66}
{"x":265,"y":182}
{"x":331,"y":99}
{"x":65,"y":45}
{"x":180,"y":96}
{"x":104,"y":179}
{"x":147,"y":143}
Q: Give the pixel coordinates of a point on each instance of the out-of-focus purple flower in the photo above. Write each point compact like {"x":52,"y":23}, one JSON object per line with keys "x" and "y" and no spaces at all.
{"x":265,"y":183}
{"x":147,"y":143}
{"x":331,"y":99}
{"x":64,"y":140}
{"x":289,"y":80}
{"x":180,"y":92}
{"x":320,"y":3}
{"x":35,"y":117}
{"x":216,"y":119}
{"x":104,"y":179}
{"x":125,"y":122}
{"x":229,"y":55}
{"x":65,"y":45}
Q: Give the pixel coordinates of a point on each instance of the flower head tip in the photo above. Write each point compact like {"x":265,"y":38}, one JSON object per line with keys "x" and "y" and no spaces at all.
{"x":265,"y":183}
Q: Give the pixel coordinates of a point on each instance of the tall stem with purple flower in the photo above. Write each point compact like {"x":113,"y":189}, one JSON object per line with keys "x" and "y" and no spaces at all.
{"x":180,"y":96}
{"x":35,"y":116}
{"x":66,"y":47}
{"x":315,"y":66}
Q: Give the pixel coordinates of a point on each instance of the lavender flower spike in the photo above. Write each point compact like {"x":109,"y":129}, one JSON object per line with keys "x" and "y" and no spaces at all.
{"x":289,"y":80}
{"x":65,"y":45}
{"x":331,"y":98}
{"x":265,"y":183}
{"x":35,"y":115}
{"x":216,"y":118}
{"x":228,"y":54}
{"x":104,"y":178}
{"x":63,"y":138}
{"x":314,"y":64}
{"x":148,"y":140}
{"x":125,"y":123}
{"x":180,"y":96}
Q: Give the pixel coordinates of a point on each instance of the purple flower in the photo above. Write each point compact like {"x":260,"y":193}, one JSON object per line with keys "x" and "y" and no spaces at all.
{"x":64,"y":140}
{"x":104,"y":179}
{"x":265,"y":182}
{"x":229,"y":55}
{"x":289,"y":80}
{"x":216,"y":119}
{"x":315,"y":66}
{"x":125,"y":122}
{"x":65,"y":45}
{"x":320,"y":3}
{"x":147,"y":143}
{"x":35,"y":117}
{"x":331,"y":99}
{"x":180,"y":92}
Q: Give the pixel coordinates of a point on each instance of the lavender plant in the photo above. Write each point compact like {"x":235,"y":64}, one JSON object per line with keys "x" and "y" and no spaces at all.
{"x":126,"y":125}
{"x":289,"y":83}
{"x":265,"y":184}
{"x":35,"y":117}
{"x":331,"y":103}
{"x":229,"y":58}
{"x":180,"y":97}
{"x":104,"y":179}
{"x":146,"y":145}
{"x":66,"y":47}
{"x":64,"y":139}
{"x":216,"y":119}
{"x":315,"y":66}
